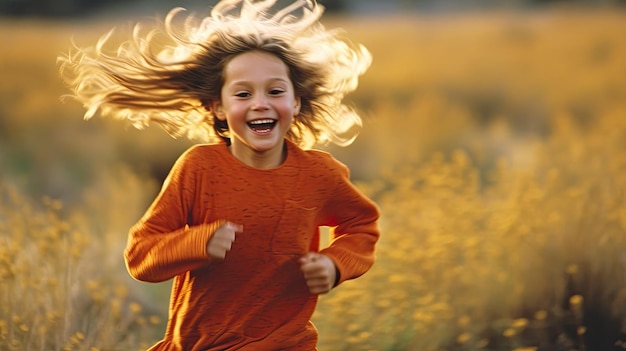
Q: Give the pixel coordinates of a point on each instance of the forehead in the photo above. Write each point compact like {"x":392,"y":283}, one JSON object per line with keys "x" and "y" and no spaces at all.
{"x":255,"y":65}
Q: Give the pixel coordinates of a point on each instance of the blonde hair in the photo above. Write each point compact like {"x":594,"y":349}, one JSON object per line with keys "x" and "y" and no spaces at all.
{"x":173,"y":84}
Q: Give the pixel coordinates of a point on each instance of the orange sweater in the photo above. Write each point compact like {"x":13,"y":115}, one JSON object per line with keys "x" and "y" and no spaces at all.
{"x":256,"y":298}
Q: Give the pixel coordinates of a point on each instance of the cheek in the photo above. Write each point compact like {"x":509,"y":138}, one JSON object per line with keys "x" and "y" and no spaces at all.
{"x":235,"y":111}
{"x":289,"y":108}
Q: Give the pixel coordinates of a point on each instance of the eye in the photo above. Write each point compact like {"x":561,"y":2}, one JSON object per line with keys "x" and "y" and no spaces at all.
{"x":242,"y":94}
{"x":276,"y":91}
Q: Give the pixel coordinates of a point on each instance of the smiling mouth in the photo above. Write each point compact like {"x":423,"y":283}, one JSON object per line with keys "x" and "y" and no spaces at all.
{"x":262,"y":125}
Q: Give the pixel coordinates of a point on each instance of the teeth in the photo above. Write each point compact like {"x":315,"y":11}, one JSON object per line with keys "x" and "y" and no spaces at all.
{"x":261,"y":121}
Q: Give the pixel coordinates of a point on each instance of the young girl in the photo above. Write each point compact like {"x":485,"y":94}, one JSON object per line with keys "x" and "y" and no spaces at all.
{"x":236,"y":222}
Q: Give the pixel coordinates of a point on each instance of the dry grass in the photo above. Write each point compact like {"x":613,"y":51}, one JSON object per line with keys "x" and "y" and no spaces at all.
{"x":60,"y":281}
{"x":494,"y":145}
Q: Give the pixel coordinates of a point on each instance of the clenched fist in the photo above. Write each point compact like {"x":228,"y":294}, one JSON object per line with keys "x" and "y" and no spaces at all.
{"x":222,"y":240}
{"x":319,"y":271}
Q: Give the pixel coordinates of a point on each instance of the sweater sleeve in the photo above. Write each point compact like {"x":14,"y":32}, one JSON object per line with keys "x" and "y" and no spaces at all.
{"x":161,"y":245}
{"x":355,"y":233}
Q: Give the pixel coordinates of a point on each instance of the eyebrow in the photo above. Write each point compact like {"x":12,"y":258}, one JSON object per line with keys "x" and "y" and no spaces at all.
{"x":271,"y":80}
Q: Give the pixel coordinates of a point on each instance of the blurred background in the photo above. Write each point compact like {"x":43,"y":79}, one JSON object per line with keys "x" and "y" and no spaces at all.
{"x":72,"y":8}
{"x":494,"y":142}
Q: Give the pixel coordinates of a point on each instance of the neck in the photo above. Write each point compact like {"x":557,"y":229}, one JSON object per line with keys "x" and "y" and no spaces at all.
{"x":260,"y":159}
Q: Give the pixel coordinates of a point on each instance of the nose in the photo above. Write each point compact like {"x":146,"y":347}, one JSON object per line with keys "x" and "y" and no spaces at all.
{"x":260,"y":102}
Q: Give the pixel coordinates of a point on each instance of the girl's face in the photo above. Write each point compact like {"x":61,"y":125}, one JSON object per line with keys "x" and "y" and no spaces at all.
{"x":259,"y":104}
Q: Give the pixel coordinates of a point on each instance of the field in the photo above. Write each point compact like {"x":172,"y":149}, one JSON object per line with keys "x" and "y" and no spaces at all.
{"x":494,"y":143}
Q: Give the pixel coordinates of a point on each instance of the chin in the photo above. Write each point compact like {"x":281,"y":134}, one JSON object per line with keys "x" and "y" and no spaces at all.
{"x":266,"y":146}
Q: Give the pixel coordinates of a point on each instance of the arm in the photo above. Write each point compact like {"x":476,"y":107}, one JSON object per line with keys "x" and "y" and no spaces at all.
{"x":161,"y":245}
{"x":355,"y":233}
{"x":156,"y":257}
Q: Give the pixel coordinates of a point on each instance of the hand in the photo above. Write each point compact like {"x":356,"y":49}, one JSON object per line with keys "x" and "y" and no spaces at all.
{"x":222,"y":240}
{"x":319,"y":271}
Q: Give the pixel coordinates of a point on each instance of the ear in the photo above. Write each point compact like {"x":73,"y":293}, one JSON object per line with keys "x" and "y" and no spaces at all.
{"x":296,"y":106}
{"x":218,"y":110}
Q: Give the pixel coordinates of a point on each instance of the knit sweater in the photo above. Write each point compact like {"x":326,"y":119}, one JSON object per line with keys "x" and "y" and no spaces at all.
{"x":256,"y":298}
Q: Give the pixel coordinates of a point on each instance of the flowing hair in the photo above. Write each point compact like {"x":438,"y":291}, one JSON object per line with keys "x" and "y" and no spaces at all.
{"x":171,"y":75}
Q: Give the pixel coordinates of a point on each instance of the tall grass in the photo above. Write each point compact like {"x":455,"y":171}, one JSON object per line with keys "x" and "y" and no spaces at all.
{"x":60,"y":281}
{"x":494,"y":145}
{"x":526,"y":257}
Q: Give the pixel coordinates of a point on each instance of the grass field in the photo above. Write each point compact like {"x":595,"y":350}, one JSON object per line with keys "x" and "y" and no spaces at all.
{"x":493,"y":143}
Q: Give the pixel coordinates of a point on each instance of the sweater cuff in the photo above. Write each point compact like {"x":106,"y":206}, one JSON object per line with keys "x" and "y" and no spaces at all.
{"x":349,"y":264}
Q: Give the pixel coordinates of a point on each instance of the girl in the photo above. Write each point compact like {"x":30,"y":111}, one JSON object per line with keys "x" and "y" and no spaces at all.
{"x":236,"y":222}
